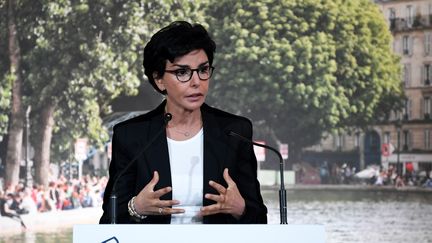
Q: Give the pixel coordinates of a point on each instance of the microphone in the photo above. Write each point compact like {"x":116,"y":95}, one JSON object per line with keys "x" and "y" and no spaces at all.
{"x":113,"y":197}
{"x":282,"y":191}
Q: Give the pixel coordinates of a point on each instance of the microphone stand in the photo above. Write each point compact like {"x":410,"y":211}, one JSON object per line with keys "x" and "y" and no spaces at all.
{"x":282,"y":190}
{"x":113,"y":197}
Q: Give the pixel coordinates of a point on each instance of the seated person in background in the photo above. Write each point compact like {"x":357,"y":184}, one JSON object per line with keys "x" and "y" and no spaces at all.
{"x":6,"y":211}
{"x":27,"y":204}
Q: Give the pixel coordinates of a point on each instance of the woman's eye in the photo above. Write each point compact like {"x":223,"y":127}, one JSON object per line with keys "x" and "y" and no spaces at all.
{"x":182,"y":72}
{"x":204,"y":69}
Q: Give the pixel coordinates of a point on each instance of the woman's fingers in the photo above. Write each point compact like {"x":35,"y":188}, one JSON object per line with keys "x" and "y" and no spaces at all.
{"x":218,"y":187}
{"x":154,"y":180}
{"x":148,"y":201}
{"x":228,"y":178}
{"x":166,"y":211}
{"x":211,"y":209}
{"x":229,"y":199}
{"x":166,"y":203}
{"x":159,"y":193}
{"x":216,"y":198}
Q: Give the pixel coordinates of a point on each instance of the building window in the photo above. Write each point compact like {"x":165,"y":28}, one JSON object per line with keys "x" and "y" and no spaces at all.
{"x":427,"y":74}
{"x":409,"y":15}
{"x":427,"y":43}
{"x":430,"y":14}
{"x":406,"y":140}
{"x":407,"y":110}
{"x":427,"y":143}
{"x":357,"y":140}
{"x":406,"y":45}
{"x":407,"y":74}
{"x":427,"y":107}
{"x":392,"y":18}
{"x":387,"y":137}
{"x":338,"y":141}
{"x":396,"y":115}
{"x":429,"y":17}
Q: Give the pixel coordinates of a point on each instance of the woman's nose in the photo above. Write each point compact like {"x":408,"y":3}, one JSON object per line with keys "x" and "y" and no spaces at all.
{"x":195,"y":80}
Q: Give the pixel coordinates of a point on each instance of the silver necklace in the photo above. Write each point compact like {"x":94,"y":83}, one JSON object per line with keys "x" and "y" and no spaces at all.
{"x":186,"y":134}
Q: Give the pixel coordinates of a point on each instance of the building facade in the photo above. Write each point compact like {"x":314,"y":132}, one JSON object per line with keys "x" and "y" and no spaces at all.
{"x":407,"y":136}
{"x":410,"y":22}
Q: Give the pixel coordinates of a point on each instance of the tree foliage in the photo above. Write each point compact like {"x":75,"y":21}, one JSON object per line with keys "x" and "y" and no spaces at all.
{"x":5,"y":98}
{"x":77,"y":57}
{"x":5,"y":76}
{"x":110,"y":42}
{"x":82,"y":55}
{"x":299,"y":67}
{"x":303,"y":67}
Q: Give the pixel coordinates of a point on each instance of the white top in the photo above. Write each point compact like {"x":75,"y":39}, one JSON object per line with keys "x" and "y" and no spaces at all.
{"x":186,"y":162}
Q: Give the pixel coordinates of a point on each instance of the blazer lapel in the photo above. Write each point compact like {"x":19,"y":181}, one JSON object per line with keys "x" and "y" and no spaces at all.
{"x":157,"y":154}
{"x":214,"y":152}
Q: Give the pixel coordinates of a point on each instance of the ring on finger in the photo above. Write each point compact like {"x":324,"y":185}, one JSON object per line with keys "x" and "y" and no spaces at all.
{"x":160,"y":210}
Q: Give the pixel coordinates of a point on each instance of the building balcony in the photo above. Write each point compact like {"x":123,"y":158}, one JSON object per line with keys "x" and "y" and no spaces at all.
{"x":426,"y":90}
{"x":417,"y":23}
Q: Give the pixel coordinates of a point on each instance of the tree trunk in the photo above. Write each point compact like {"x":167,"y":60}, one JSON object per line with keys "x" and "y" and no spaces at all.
{"x":42,"y":149}
{"x":14,"y":145}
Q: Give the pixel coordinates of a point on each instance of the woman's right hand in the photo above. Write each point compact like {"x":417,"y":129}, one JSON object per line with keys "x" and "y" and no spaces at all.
{"x":148,"y":202}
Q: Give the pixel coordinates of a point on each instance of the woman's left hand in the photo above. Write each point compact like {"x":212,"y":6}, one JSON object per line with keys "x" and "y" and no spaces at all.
{"x":229,"y":200}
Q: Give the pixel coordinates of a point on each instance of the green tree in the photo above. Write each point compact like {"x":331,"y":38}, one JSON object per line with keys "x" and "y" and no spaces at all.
{"x":77,"y":57}
{"x":83,"y":55}
{"x":139,"y":22}
{"x":5,"y":81}
{"x":14,"y":80}
{"x":304,"y":67}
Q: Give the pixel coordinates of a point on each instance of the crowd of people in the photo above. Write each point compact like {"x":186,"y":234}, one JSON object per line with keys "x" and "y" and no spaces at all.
{"x":343,"y":173}
{"x":326,"y":173}
{"x":336,"y":174}
{"x":64,"y":194}
{"x":410,"y":177}
{"x":61,"y":194}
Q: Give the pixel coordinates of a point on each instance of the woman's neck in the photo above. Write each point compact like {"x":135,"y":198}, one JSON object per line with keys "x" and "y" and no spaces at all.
{"x":184,"y":118}
{"x":184,"y":124}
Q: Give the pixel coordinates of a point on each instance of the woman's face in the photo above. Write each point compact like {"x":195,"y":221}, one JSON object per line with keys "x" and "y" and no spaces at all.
{"x":190,"y":95}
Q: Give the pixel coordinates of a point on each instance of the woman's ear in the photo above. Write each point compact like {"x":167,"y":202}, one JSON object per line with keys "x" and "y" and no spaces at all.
{"x":159,"y":82}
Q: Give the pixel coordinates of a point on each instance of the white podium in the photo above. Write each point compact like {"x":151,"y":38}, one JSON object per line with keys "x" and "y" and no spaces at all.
{"x":124,"y":233}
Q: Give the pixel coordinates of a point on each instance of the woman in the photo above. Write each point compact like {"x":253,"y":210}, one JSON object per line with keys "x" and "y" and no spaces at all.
{"x":192,"y":171}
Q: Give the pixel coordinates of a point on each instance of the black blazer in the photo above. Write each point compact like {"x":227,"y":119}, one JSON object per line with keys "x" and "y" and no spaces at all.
{"x":220,"y":151}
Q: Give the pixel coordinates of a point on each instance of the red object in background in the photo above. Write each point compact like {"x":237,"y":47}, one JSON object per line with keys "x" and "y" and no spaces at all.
{"x":260,"y":151}
{"x":409,"y":167}
{"x":385,"y":149}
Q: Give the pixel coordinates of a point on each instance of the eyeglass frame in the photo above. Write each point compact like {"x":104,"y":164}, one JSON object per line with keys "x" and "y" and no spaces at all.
{"x":211,"y":69}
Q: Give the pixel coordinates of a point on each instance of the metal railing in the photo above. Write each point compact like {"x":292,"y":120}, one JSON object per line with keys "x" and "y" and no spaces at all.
{"x":404,"y":24}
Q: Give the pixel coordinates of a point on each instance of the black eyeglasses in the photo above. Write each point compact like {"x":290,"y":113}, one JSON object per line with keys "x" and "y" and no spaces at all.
{"x":185,"y":74}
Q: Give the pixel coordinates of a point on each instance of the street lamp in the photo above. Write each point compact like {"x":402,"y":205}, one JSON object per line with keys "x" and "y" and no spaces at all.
{"x":398,"y":128}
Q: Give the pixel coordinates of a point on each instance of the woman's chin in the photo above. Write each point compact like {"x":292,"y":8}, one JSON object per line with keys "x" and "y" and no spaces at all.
{"x":193,"y":104}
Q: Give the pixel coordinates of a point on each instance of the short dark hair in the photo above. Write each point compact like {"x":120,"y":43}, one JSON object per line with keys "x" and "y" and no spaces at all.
{"x":175,"y":40}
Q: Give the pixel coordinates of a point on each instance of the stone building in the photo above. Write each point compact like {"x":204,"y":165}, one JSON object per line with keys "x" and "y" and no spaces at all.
{"x":410,"y":22}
